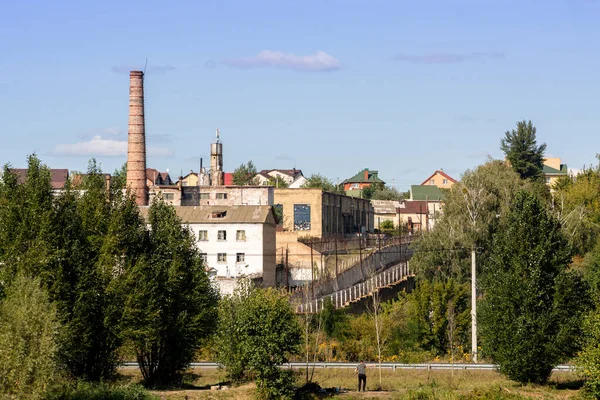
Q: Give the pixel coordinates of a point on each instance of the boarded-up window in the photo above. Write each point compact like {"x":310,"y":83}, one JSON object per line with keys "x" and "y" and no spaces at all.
{"x":301,"y":217}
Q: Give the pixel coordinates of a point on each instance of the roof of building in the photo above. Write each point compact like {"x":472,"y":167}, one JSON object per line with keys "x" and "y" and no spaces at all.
{"x":439,"y":171}
{"x":426,"y":192}
{"x":228,"y":178}
{"x":360,"y":177}
{"x":413,"y":207}
{"x":289,"y":172}
{"x":152,"y":174}
{"x":385,"y":206}
{"x":58,"y":177}
{"x":222,"y":214}
{"x":546,"y":170}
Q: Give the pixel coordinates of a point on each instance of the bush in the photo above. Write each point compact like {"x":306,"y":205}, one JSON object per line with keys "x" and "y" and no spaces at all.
{"x":28,"y":329}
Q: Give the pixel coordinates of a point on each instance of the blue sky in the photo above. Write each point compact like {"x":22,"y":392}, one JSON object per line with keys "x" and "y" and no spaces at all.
{"x":327,"y":86}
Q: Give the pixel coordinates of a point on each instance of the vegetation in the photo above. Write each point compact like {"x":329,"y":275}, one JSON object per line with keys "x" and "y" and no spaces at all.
{"x":521,"y":150}
{"x":170,"y":305}
{"x":320,"y":182}
{"x":258,"y":331}
{"x":531,"y":302}
{"x":28,"y":340}
{"x":245,"y":174}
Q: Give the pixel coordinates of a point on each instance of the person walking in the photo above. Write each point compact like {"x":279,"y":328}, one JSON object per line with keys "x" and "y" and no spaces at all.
{"x":361,"y":370}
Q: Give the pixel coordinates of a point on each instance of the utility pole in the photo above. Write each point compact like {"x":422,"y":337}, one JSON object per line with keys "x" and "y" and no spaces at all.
{"x":473,"y":305}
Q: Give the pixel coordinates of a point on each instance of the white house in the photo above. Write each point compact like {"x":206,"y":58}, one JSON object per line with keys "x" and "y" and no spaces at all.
{"x":289,"y":176}
{"x":234,"y":241}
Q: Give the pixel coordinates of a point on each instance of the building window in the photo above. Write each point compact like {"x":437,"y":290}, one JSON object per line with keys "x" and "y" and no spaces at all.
{"x":219,"y":214}
{"x":221,"y":196}
{"x":204,"y":258}
{"x":354,"y":186}
{"x":240,"y":236}
{"x":168,"y":196}
{"x":222,"y":235}
{"x":240,"y":257}
{"x":184,"y":183}
{"x":445,"y":181}
{"x":222,"y":257}
{"x":203,"y":236}
{"x":204,"y":196}
{"x":301,"y":217}
{"x":547,"y":179}
{"x":432,"y":182}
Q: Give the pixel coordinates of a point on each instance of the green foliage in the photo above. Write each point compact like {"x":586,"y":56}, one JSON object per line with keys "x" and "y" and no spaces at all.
{"x":278,"y":182}
{"x":530,"y":304}
{"x":170,"y":304}
{"x":576,"y":203}
{"x":101,"y":391}
{"x":245,"y":174}
{"x":60,"y":239}
{"x":28,"y":331}
{"x":387,"y":224}
{"x":118,"y":180}
{"x":257,"y":333}
{"x":321,"y":182}
{"x":387,"y":193}
{"x":472,"y":212}
{"x":521,"y":150}
{"x":588,"y":361}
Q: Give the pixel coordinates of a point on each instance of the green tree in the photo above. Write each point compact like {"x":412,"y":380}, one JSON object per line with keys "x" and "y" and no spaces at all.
{"x":118,"y":180}
{"x":245,"y":174}
{"x":29,"y":327}
{"x":521,"y":150}
{"x":529,"y":307}
{"x":278,"y":182}
{"x":257,"y":333}
{"x":472,"y":211}
{"x":588,"y":361}
{"x":320,"y":182}
{"x":387,"y":193}
{"x":170,"y":306}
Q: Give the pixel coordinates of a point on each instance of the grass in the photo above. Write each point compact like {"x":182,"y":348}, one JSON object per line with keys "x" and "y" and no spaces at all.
{"x":399,"y":384}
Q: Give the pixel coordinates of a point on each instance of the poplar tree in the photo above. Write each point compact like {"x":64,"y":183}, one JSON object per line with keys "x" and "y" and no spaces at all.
{"x":532,"y":306}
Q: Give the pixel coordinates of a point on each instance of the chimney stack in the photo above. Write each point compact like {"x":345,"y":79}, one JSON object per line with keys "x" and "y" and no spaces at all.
{"x":136,"y":142}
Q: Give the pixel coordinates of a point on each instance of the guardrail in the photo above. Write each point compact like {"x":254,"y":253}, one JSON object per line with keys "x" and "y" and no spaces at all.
{"x":392,"y":366}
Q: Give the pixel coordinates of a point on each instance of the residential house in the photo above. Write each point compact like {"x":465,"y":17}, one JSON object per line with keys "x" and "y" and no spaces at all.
{"x":415,"y":215}
{"x":190,"y":179}
{"x":553,"y":170}
{"x":234,"y":241}
{"x":364,"y":179}
{"x":156,"y":178}
{"x":433,"y":196}
{"x":58,"y":177}
{"x":385,"y":210}
{"x":440,"y":179}
{"x":289,"y":176}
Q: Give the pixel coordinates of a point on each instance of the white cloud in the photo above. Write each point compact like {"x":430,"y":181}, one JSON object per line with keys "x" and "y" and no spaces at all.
{"x":99,"y":146}
{"x":320,"y":61}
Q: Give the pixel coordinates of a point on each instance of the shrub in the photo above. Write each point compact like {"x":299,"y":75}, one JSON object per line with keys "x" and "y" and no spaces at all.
{"x":28,"y":329}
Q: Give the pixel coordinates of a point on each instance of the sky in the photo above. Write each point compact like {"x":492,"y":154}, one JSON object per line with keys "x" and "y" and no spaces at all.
{"x":325,"y":86}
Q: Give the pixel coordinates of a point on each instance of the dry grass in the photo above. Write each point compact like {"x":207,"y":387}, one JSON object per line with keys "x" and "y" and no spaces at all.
{"x":399,"y":384}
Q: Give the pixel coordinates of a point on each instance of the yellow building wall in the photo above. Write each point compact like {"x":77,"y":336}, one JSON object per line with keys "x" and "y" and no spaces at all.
{"x":190,"y":180}
{"x":438,"y":180}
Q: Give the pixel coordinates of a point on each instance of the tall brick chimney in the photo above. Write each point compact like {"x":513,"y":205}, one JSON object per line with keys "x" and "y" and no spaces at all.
{"x":136,"y":142}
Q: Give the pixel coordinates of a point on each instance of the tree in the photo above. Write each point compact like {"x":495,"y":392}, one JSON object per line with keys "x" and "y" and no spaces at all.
{"x":278,"y":182}
{"x":257,"y":333}
{"x":321,"y":182}
{"x":170,"y":305}
{"x":29,"y":327}
{"x":588,"y":361}
{"x":245,"y":174}
{"x":119,"y":178}
{"x":387,"y":193}
{"x":530,"y":305}
{"x":523,"y":153}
